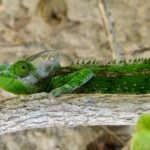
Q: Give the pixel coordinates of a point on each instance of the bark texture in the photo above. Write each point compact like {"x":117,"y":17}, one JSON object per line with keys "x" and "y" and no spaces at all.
{"x":41,"y":110}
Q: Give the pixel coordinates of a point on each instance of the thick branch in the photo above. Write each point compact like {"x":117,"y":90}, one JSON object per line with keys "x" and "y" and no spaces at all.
{"x":39,"y":110}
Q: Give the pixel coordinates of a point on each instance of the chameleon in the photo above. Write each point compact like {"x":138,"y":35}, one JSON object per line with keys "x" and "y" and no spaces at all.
{"x":141,"y":137}
{"x":42,"y":72}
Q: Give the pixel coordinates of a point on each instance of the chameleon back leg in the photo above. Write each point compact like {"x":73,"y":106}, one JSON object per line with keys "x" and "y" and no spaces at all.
{"x":72,"y":81}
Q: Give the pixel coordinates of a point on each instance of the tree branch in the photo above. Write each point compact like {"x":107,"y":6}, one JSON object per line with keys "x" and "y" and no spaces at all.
{"x":40,"y":110}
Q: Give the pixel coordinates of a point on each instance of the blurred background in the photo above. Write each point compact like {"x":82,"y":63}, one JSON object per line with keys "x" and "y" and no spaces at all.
{"x":77,"y":29}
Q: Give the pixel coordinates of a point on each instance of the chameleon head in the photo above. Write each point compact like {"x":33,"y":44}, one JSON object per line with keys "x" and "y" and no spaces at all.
{"x":22,"y":76}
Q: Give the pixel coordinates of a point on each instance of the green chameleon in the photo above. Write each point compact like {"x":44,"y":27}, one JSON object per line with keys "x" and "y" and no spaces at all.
{"x":141,"y":138}
{"x":42,"y":73}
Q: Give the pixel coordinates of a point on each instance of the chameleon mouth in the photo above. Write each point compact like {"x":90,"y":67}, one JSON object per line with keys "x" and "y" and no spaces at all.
{"x":14,"y":84}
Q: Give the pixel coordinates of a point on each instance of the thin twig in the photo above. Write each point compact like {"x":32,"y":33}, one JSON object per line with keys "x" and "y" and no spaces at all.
{"x":110,"y":31}
{"x":105,"y":128}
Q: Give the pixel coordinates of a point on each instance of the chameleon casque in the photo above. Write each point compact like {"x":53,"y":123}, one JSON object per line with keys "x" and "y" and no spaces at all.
{"x":42,"y":73}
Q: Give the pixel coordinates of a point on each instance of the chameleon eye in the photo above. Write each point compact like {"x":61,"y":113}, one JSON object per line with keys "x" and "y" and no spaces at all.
{"x":22,"y":68}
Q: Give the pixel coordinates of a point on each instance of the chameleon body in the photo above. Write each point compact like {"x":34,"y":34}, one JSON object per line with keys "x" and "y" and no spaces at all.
{"x":141,"y":137}
{"x":42,"y":73}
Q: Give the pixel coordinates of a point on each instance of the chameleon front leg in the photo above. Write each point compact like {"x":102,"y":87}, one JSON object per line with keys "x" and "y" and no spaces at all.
{"x":75,"y":80}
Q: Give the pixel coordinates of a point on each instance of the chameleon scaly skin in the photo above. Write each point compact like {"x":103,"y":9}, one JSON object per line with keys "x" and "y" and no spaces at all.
{"x":130,"y":78}
{"x":42,"y":73}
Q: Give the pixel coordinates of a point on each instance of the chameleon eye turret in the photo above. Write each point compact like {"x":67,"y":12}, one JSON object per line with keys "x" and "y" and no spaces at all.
{"x":22,"y":68}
